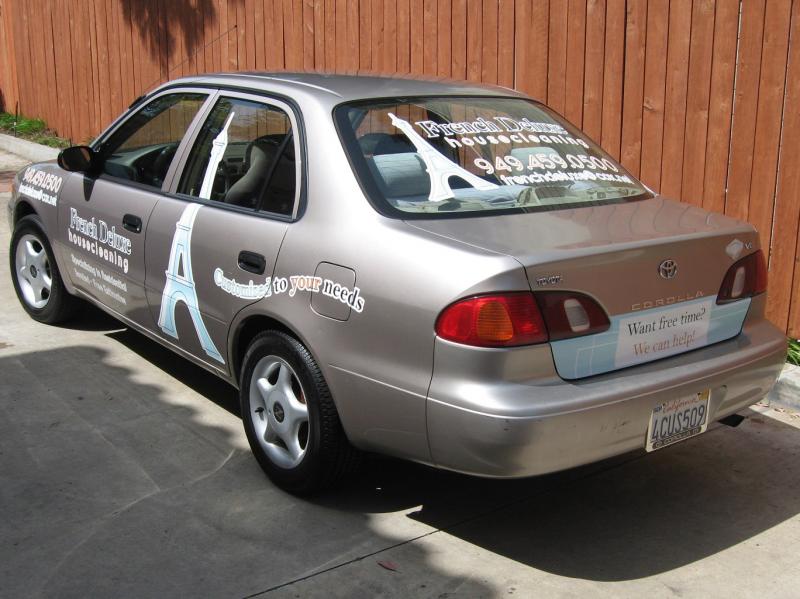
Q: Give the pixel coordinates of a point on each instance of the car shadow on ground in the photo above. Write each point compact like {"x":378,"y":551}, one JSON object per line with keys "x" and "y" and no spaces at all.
{"x":626,"y":518}
{"x":113,"y":488}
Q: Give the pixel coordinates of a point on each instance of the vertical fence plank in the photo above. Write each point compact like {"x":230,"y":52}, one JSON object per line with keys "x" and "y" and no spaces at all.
{"x":319,"y":35}
{"x":390,"y":42}
{"x":403,"y":36}
{"x":612,"y":77}
{"x":726,"y":27}
{"x":655,"y":70}
{"x":444,"y":59}
{"x":489,"y":45}
{"x":505,"y":43}
{"x":769,"y":115}
{"x":633,"y":91}
{"x":416,"y":9}
{"x":576,"y":52}
{"x":474,"y":40}
{"x":557,"y":56}
{"x":697,"y":102}
{"x":680,"y":25}
{"x":784,"y":284}
{"x":367,"y":33}
{"x":458,"y":47}
{"x":593,"y":81}
{"x":745,"y":107}
{"x":428,"y":27}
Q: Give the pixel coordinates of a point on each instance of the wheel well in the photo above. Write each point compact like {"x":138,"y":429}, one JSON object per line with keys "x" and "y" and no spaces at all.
{"x":247,"y":330}
{"x":21,"y":210}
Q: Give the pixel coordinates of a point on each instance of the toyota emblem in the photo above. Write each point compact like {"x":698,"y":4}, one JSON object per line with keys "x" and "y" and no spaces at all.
{"x":668,"y":269}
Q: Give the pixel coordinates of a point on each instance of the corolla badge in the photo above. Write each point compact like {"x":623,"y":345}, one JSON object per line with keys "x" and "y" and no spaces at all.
{"x":668,"y":269}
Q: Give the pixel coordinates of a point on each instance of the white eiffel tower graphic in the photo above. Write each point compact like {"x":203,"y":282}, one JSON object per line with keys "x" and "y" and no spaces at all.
{"x":180,"y":284}
{"x":439,"y":168}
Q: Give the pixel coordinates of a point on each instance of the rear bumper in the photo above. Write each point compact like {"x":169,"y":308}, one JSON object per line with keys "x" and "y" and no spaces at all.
{"x":489,"y":421}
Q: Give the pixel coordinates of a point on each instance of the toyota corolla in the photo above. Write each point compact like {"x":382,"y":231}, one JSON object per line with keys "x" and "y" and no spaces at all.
{"x":448,"y":273}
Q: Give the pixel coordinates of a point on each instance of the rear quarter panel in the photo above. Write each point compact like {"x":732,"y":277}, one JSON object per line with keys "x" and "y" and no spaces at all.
{"x":378,"y":363}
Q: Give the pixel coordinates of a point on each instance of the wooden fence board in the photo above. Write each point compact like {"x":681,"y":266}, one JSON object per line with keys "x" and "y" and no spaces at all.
{"x":695,"y":98}
{"x":633,"y":90}
{"x":769,"y":116}
{"x":576,"y":54}
{"x":655,"y":74}
{"x":723,"y":65}
{"x":701,"y":50}
{"x":557,"y":56}
{"x":745,"y":108}
{"x":612,"y":76}
{"x":593,"y":81}
{"x":680,"y":24}
{"x":784,"y":286}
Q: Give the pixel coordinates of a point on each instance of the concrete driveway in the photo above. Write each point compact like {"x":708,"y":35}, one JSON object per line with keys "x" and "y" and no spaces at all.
{"x":124,"y":472}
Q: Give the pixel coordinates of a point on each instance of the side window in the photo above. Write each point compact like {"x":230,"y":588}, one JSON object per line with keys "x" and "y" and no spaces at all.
{"x":244,"y":156}
{"x":142,"y":149}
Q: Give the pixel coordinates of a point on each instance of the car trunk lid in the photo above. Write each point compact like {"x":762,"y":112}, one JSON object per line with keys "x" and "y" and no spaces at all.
{"x":647,"y":263}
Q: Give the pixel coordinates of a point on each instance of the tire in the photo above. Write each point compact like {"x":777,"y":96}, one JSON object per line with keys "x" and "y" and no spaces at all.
{"x":34,"y":272}
{"x":280,"y":385}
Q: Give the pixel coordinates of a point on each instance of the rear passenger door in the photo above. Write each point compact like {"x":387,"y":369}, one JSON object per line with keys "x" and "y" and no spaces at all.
{"x":213,"y":242}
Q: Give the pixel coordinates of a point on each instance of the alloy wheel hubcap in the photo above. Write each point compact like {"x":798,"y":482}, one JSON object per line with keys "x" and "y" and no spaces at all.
{"x":33,"y":271}
{"x":279,"y":411}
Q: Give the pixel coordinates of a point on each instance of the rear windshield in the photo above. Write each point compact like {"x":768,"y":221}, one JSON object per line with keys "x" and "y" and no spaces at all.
{"x":448,"y":156}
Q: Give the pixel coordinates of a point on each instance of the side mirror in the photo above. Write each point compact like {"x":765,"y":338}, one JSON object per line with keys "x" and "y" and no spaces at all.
{"x":78,"y":159}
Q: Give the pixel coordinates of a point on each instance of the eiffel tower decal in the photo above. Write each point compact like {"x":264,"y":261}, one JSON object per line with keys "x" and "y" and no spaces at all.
{"x":439,"y":168}
{"x":180,"y":284}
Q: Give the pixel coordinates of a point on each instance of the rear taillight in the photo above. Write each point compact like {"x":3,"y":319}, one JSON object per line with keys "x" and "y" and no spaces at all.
{"x":500,"y":320}
{"x":511,"y":319}
{"x":746,"y":278}
{"x":569,"y":314}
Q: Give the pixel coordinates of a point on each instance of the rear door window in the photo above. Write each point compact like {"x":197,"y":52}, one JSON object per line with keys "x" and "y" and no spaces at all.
{"x":244,"y":156}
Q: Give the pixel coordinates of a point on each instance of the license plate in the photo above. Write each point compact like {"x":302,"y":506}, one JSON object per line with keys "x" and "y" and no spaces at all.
{"x":678,"y":419}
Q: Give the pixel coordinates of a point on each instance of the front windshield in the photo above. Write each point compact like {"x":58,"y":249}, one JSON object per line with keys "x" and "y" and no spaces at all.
{"x":429,"y":156}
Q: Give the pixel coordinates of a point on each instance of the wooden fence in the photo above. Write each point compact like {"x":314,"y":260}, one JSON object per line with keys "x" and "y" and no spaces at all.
{"x":700,"y":98}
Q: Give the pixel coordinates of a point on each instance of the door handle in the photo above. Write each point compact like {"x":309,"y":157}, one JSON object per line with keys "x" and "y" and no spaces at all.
{"x":252,"y":262}
{"x":132,"y":223}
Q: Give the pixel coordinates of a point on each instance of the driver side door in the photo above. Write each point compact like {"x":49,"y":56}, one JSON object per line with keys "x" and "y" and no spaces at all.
{"x":103,"y":216}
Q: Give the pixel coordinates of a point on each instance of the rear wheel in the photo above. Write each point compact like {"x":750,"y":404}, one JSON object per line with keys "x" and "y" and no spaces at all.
{"x":35,"y":274}
{"x":289,"y":416}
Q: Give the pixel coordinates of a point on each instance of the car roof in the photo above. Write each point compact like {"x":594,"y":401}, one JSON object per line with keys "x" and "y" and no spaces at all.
{"x":329,"y":88}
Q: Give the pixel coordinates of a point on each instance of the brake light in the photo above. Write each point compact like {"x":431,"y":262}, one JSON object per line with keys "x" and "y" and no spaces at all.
{"x":746,"y":278}
{"x":519,"y":318}
{"x":570,"y":314}
{"x":500,"y":320}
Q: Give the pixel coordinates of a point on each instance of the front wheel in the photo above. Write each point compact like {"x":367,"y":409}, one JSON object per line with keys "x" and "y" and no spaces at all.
{"x":289,"y":416}
{"x":35,"y":274}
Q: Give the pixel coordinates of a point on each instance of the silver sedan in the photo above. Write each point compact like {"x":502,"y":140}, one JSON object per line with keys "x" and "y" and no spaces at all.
{"x":448,"y":273}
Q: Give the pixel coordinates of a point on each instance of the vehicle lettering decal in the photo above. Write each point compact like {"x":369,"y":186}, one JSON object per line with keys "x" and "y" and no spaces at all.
{"x":180,"y":285}
{"x":639,"y":337}
{"x":292,"y":284}
{"x":100,"y":280}
{"x":439,"y":167}
{"x":247,"y":291}
{"x":41,"y":185}
{"x":505,"y":130}
{"x":96,"y":237}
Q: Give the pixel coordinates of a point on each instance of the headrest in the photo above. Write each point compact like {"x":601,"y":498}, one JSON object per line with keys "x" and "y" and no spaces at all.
{"x":400,"y":175}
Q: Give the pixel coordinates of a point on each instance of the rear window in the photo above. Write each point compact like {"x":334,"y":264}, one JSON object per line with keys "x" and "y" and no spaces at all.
{"x":456,"y":156}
